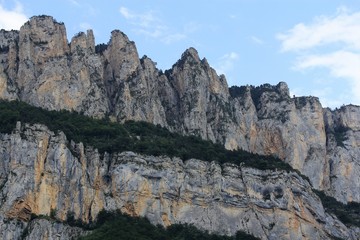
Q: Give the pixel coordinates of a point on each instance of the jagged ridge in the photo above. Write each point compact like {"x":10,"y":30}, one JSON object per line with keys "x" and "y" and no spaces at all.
{"x":40,"y":67}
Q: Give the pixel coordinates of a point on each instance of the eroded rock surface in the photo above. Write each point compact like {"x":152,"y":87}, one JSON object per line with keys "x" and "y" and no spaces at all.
{"x":43,"y":174}
{"x":40,"y":67}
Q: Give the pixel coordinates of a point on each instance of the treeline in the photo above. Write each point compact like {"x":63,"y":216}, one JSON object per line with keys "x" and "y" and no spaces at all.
{"x":115,"y":225}
{"x":139,"y":137}
{"x":146,"y":138}
{"x":348,"y":214}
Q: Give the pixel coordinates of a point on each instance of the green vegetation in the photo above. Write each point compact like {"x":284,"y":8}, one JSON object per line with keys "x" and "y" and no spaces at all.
{"x":256,"y":92}
{"x":100,"y":48}
{"x":140,"y":137}
{"x":300,"y":102}
{"x":236,"y":91}
{"x":340,"y":135}
{"x":4,"y":49}
{"x":349,"y":213}
{"x":149,"y":139}
{"x":114,"y":225}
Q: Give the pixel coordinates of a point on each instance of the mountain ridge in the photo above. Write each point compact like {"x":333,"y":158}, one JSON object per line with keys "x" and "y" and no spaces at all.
{"x":40,"y":67}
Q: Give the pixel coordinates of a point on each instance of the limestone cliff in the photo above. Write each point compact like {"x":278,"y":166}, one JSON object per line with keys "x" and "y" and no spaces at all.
{"x":43,"y":174}
{"x":40,"y":67}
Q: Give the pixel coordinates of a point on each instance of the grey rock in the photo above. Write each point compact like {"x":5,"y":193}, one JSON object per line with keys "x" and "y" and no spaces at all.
{"x":51,"y":230}
{"x":40,"y":67}
{"x":40,"y":174}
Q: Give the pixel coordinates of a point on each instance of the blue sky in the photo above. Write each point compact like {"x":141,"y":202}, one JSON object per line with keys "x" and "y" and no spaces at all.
{"x":313,"y":45}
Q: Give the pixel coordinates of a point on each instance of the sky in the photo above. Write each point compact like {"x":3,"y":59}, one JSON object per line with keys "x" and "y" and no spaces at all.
{"x":312,"y":45}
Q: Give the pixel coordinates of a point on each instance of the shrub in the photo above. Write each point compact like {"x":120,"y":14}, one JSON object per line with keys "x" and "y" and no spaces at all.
{"x":140,"y":137}
{"x":115,"y":225}
{"x":349,"y":213}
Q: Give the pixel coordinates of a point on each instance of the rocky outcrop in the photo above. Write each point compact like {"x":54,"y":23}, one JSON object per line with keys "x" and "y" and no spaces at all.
{"x":8,"y":67}
{"x":46,"y":72}
{"x":38,"y":229}
{"x":343,"y":148}
{"x":40,"y":67}
{"x":131,"y":83}
{"x":43,"y":174}
{"x":196,"y":98}
{"x":51,"y":230}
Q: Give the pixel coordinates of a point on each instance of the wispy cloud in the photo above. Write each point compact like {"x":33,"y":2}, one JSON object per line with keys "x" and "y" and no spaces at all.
{"x":325,"y":94}
{"x":191,"y":27}
{"x":226,"y":63}
{"x":85,"y":26}
{"x":145,"y":20}
{"x":74,"y":2}
{"x":331,"y":43}
{"x":149,"y":25}
{"x":343,"y":28}
{"x":341,"y":64}
{"x":12,"y":19}
{"x":86,"y":8}
{"x":257,"y":40}
{"x":173,"y":38}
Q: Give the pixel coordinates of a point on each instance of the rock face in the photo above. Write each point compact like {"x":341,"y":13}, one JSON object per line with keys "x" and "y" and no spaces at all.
{"x":8,"y":67}
{"x":40,"y":67}
{"x":41,"y":175}
{"x":343,"y":148}
{"x":38,"y":229}
{"x":48,"y":73}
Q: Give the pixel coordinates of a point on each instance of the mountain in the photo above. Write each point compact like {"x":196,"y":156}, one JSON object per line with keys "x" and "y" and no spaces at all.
{"x":47,"y":179}
{"x":41,"y":171}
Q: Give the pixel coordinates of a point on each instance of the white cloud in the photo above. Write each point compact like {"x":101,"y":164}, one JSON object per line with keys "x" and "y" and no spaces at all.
{"x":85,"y":26}
{"x":74,"y":2}
{"x":324,"y":94}
{"x":330,"y":43}
{"x":341,"y":64}
{"x":12,"y":19}
{"x":226,"y":63}
{"x":149,"y":25}
{"x":144,"y":20}
{"x":126,"y":13}
{"x":173,"y":38}
{"x":257,"y":40}
{"x":343,"y":28}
